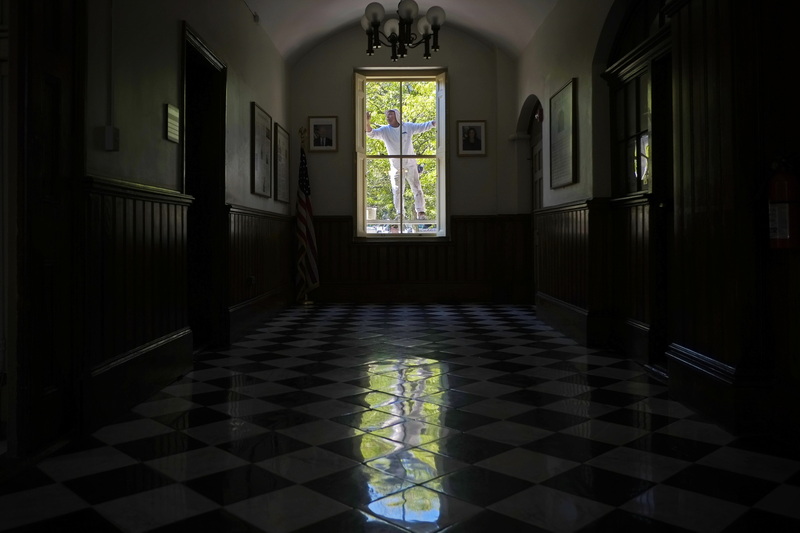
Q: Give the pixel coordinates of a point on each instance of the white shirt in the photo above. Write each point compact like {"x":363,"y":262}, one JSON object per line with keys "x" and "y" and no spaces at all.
{"x":391,"y":137}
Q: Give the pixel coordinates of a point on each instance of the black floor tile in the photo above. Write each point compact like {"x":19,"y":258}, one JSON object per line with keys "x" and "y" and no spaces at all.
{"x":671,"y":446}
{"x":487,"y":521}
{"x":264,"y":446}
{"x":599,"y":485}
{"x":478,"y":486}
{"x":195,"y":417}
{"x":238,"y":484}
{"x":757,"y":520}
{"x":160,"y":446}
{"x":722,"y":484}
{"x":358,"y":486}
{"x":623,"y":521}
{"x":281,"y":419}
{"x":637,"y":419}
{"x":569,"y":447}
{"x":217,"y":521}
{"x":29,"y":478}
{"x":353,"y":521}
{"x":517,"y":380}
{"x":113,"y":484}
{"x":458,"y":420}
{"x":83,"y":520}
{"x":547,"y":419}
{"x":467,"y":448}
{"x":363,"y":448}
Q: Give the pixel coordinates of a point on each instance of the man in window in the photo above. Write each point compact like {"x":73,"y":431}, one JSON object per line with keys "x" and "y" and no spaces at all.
{"x":397,"y":136}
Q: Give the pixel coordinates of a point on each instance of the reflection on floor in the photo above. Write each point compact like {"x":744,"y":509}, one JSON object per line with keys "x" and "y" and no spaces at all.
{"x":455,"y":418}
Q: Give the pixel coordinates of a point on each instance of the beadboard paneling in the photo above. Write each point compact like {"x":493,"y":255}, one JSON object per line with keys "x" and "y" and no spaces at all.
{"x":486,"y":258}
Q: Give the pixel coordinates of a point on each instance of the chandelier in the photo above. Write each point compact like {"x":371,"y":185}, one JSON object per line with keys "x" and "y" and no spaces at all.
{"x":397,"y":31}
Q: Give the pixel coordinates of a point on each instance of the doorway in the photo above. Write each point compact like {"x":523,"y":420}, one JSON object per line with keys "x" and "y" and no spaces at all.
{"x":204,"y":179}
{"x":640,"y":86}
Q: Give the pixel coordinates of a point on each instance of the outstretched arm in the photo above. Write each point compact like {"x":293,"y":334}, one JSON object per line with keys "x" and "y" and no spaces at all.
{"x":368,"y":126}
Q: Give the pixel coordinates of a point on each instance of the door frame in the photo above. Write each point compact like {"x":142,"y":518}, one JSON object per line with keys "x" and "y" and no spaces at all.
{"x":212,"y":203}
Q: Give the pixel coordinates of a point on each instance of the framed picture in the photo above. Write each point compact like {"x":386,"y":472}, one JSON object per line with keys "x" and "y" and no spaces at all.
{"x":563,"y":129}
{"x":261,"y":151}
{"x":471,"y":137}
{"x":323,"y":134}
{"x":281,"y":164}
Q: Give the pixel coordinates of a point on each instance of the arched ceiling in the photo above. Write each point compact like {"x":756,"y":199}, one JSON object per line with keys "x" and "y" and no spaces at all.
{"x":297,"y":25}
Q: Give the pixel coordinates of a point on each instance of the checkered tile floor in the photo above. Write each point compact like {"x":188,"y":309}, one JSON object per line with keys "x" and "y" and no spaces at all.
{"x":452,"y":418}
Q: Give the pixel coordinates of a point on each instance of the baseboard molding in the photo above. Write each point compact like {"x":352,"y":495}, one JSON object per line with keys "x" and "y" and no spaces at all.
{"x":740,"y":402}
{"x":403,"y":292}
{"x":244,"y":315}
{"x":701,"y":364}
{"x":565,"y":317}
{"x":586,"y":327}
{"x":127,"y":380}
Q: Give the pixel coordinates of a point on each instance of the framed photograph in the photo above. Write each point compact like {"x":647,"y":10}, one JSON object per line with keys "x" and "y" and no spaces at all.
{"x":261,"y":151}
{"x":323,"y":134}
{"x":563,"y":130}
{"x":471,"y":137}
{"x":281,"y":164}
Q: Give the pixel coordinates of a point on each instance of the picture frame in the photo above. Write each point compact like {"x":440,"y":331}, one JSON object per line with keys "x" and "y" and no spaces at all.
{"x":281,"y":164}
{"x":471,"y":136}
{"x":563,"y":131}
{"x":323,"y":134}
{"x":261,"y":151}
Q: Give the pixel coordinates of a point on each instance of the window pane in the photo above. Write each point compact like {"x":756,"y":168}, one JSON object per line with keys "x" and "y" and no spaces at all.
{"x":631,"y":165}
{"x":631,"y":113}
{"x":401,"y":182}
{"x":416,"y":103}
{"x":619,"y":111}
{"x":644,"y":101}
{"x":379,"y":191}
{"x":644,"y":160}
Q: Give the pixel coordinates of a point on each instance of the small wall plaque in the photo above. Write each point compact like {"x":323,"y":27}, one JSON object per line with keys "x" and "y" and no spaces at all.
{"x":173,"y":119}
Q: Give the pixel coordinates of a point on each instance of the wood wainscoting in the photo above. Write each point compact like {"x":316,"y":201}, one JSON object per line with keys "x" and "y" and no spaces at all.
{"x":572,"y":256}
{"x":485,"y":259}
{"x":137,"y":333}
{"x":261,"y":265}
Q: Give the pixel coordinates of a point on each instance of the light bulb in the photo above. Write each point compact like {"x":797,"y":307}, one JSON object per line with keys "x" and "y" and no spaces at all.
{"x":436,"y":16}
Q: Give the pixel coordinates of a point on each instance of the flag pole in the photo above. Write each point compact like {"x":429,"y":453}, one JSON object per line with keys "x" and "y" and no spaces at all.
{"x":307,"y":232}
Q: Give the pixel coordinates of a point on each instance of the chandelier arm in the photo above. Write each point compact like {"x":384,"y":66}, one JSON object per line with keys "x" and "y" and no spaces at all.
{"x":405,"y":38}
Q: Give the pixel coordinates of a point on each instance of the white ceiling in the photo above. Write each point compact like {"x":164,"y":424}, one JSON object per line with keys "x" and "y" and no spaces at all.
{"x":296,"y":25}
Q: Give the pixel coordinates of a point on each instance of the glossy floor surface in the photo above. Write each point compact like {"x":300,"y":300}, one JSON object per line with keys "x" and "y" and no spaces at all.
{"x":467,"y":418}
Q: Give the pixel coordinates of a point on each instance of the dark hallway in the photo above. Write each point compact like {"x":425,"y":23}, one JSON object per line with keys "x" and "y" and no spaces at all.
{"x":417,"y":418}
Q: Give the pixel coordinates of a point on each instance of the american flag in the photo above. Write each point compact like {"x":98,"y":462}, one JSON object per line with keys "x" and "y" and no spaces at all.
{"x":307,"y":273}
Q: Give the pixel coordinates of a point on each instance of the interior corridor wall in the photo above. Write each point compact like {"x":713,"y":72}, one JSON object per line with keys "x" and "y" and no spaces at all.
{"x":564,"y":48}
{"x":135,"y":69}
{"x":481,"y":81}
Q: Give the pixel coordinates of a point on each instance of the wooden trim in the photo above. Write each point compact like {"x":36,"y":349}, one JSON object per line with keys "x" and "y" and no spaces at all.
{"x":632,"y":63}
{"x":133,"y":190}
{"x":139,"y":351}
{"x":701,"y":364}
{"x":244,"y":210}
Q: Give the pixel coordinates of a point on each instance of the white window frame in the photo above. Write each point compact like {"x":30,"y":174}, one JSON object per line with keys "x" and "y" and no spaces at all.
{"x":439,"y":75}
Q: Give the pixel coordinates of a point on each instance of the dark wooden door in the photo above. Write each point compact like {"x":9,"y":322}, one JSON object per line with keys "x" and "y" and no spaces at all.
{"x":641,"y":207}
{"x":204,"y":174}
{"x":46,"y":98}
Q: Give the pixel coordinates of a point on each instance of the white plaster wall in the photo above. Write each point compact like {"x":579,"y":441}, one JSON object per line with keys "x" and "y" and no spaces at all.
{"x":564,"y":48}
{"x":481,"y":86}
{"x":146,"y":74}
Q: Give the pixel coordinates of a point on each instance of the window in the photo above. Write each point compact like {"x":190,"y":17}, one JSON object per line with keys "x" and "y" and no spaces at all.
{"x":632,"y":110}
{"x":401,"y":161}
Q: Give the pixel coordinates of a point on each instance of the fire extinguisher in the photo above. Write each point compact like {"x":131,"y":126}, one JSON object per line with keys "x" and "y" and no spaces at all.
{"x":784,"y":209}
